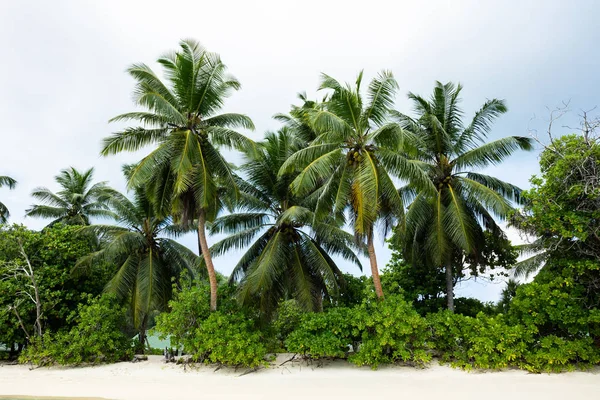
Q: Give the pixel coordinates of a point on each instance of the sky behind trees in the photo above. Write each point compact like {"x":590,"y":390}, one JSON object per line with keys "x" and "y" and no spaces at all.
{"x":63,"y":71}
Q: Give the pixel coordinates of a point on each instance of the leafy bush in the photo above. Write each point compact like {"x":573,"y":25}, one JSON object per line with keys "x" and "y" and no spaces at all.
{"x":377,"y":332}
{"x":324,"y":335}
{"x":482,"y":342}
{"x":391,"y":331}
{"x":287,"y":319}
{"x":95,"y":338}
{"x":228,"y":337}
{"x":492,"y":343}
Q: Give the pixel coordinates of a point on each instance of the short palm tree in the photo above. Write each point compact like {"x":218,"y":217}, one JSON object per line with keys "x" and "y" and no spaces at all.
{"x":79,"y":200}
{"x":353,"y":159}
{"x":180,"y":116}
{"x":148,"y":260}
{"x":10,"y":183}
{"x":288,"y":250}
{"x":452,"y":219}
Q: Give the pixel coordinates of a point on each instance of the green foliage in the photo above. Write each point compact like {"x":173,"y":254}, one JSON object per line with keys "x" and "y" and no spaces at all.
{"x":287,"y":249}
{"x":378,"y":332}
{"x":563,"y":206}
{"x":391,"y":331}
{"x":147,"y":262}
{"x":558,"y":302}
{"x":470,"y":307}
{"x":425,"y":286}
{"x":446,"y":226}
{"x":493,"y":343}
{"x":353,"y":291}
{"x":325,"y":335}
{"x":227,"y":339}
{"x":96,"y":337}
{"x":53,"y":253}
{"x":287,"y":319}
{"x":228,"y":336}
{"x":482,"y":342}
{"x":77,"y":202}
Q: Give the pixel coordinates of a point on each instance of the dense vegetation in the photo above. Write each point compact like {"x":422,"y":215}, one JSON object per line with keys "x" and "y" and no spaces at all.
{"x":303,"y":200}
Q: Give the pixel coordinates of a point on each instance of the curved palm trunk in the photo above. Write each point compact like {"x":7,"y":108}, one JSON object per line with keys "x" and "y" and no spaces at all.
{"x":374,"y":269}
{"x":212,"y":276}
{"x":449,"y":287}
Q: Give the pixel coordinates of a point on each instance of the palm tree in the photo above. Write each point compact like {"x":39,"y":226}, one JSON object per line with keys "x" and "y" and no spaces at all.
{"x":352,"y":158}
{"x":288,"y":250}
{"x":148,"y":262}
{"x":10,"y":183}
{"x":298,"y":119}
{"x":77,"y":202}
{"x":451,"y":220}
{"x":181,"y":118}
{"x":508,"y":293}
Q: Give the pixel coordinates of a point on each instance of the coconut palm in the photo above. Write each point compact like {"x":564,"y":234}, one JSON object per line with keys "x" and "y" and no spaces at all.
{"x":352,"y":160}
{"x":10,"y":183}
{"x":298,"y":119}
{"x":180,"y":116}
{"x":451,"y":220}
{"x":288,"y":250}
{"x":148,"y":260}
{"x":79,"y":200}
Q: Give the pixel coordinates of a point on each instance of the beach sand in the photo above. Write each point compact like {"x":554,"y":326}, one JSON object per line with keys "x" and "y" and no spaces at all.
{"x":155,"y":380}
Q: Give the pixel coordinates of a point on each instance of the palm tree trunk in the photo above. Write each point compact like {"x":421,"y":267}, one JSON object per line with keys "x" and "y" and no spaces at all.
{"x":212,"y":276}
{"x":449,"y":287}
{"x":374,"y":269}
{"x":142,"y":336}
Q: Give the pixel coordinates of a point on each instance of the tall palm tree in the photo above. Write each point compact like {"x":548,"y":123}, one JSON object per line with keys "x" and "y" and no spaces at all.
{"x":79,"y":200}
{"x":148,"y":261}
{"x":181,"y":118}
{"x":288,"y":250}
{"x":353,"y":158}
{"x":451,"y":220}
{"x":10,"y":183}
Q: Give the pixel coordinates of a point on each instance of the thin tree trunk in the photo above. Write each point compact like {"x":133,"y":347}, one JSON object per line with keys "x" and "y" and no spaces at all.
{"x":212,"y":276}
{"x":449,"y":287}
{"x":142,"y":334}
{"x":374,"y":269}
{"x":38,"y":302}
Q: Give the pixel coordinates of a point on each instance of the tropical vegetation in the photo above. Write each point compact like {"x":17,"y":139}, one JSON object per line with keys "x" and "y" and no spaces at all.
{"x":299,"y":206}
{"x":147,"y":258}
{"x":186,"y":172}
{"x":288,"y":249}
{"x":76,"y":203}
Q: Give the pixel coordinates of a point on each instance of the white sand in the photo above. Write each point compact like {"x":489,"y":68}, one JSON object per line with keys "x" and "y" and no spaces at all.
{"x":153,"y":379}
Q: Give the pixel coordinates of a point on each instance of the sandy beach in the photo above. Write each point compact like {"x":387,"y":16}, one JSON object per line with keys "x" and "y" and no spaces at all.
{"x":155,"y":380}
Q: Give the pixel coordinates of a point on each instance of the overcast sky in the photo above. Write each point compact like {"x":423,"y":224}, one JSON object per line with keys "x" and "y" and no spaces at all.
{"x":62,"y":71}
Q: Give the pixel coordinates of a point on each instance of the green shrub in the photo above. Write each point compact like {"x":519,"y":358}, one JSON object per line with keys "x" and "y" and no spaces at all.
{"x":483,"y":342}
{"x":378,"y":332}
{"x":391,"y":331}
{"x":227,"y":339}
{"x":324,"y":335}
{"x":95,"y":338}
{"x":228,"y":336}
{"x":492,"y":343}
{"x":287,"y":319}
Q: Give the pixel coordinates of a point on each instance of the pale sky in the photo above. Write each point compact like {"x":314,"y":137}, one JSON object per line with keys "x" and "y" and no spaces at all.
{"x":63,"y":76}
